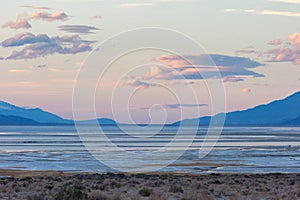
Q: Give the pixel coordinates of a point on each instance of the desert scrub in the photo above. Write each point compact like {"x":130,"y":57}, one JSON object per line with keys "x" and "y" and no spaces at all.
{"x":114,"y":184}
{"x":71,"y":193}
{"x":145,"y":192}
{"x":98,"y":195}
{"x":35,"y":197}
{"x":176,"y":189}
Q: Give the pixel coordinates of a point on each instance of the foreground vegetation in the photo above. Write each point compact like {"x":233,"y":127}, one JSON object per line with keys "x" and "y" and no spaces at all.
{"x":150,"y":186}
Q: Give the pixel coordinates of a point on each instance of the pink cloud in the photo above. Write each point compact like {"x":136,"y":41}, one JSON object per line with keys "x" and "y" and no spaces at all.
{"x":59,"y":15}
{"x":276,"y":42}
{"x":96,"y":17}
{"x":18,"y":70}
{"x":290,"y":52}
{"x":138,"y":84}
{"x":21,"y":22}
{"x":295,"y":38}
{"x":246,"y":90}
{"x":173,"y":61}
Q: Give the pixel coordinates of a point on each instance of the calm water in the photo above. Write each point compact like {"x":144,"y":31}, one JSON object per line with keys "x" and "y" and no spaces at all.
{"x":239,"y":149}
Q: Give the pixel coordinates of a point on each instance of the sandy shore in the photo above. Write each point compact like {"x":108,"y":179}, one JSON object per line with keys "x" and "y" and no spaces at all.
{"x":35,"y":185}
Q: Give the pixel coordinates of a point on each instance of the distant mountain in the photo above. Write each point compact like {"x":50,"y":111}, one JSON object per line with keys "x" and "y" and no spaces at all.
{"x":293,"y":122}
{"x":278,"y":112}
{"x":14,"y":120}
{"x":35,"y":114}
{"x":15,"y":115}
{"x":101,"y":121}
{"x":107,"y":125}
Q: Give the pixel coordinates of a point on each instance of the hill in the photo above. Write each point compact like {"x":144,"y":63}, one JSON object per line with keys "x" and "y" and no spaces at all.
{"x":278,"y":112}
{"x":35,"y":114}
{"x":14,"y":120}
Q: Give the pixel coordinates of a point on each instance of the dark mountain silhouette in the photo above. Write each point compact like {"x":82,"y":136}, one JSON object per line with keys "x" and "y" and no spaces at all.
{"x":293,"y":122}
{"x":35,"y":114}
{"x":15,"y":120}
{"x":101,"y":121}
{"x":15,"y":115}
{"x":278,"y":112}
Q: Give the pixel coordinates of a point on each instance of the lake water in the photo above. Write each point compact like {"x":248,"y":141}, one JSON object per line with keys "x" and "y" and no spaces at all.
{"x":238,"y":149}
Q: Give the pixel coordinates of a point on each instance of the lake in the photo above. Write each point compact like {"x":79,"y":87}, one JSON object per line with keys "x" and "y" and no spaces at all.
{"x":238,"y":149}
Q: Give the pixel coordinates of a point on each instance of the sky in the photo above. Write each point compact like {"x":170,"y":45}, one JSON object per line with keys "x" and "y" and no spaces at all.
{"x":249,"y":49}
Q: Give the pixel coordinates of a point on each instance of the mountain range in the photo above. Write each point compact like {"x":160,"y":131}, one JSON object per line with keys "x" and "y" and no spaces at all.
{"x":280,"y":112}
{"x":15,"y":120}
{"x":14,"y":115}
{"x":284,"y":112}
{"x":29,"y":115}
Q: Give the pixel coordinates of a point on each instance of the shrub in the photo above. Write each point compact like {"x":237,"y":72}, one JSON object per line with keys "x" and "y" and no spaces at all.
{"x":175,"y":189}
{"x":97,"y":195}
{"x":71,"y":193}
{"x":145,"y":192}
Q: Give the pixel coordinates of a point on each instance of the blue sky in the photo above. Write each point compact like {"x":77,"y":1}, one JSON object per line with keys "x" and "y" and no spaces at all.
{"x":44,"y":44}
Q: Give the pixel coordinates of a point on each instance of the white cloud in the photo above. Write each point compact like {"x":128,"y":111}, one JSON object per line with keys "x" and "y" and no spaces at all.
{"x":265,"y":12}
{"x":287,"y":1}
{"x":134,"y":5}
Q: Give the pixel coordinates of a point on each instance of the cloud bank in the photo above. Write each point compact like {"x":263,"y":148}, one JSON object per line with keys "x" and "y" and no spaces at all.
{"x":42,"y":45}
{"x":227,"y":66}
{"x":188,"y":68}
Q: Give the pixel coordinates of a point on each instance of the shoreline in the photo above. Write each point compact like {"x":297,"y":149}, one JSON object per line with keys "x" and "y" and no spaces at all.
{"x":22,"y":184}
